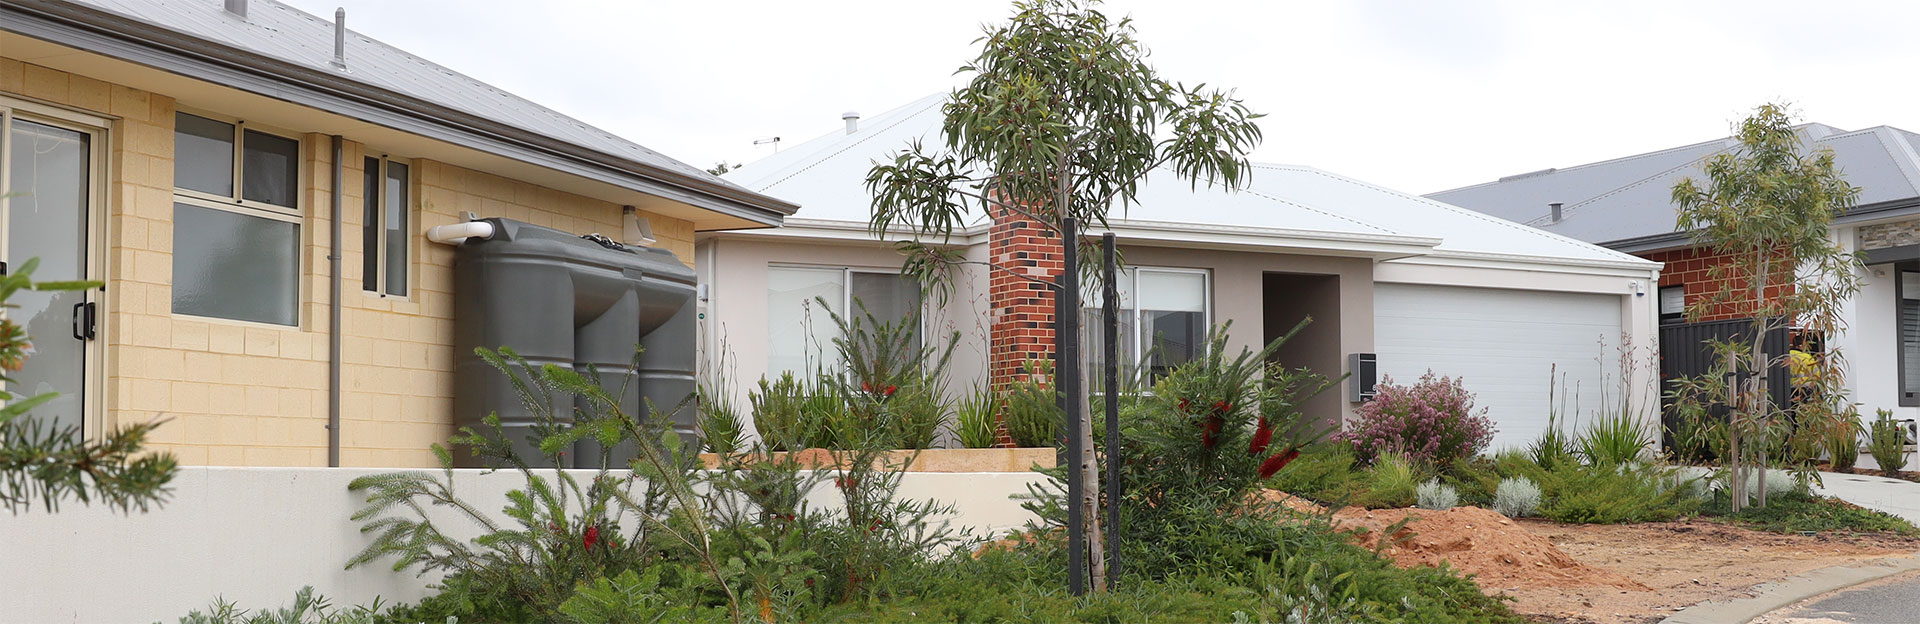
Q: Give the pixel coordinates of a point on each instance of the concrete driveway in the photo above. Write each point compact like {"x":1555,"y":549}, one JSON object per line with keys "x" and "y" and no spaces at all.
{"x":1894,"y":496}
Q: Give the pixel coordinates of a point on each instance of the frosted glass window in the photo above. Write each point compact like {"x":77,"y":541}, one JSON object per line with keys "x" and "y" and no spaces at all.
{"x":889,"y":297}
{"x":800,"y":334}
{"x":234,"y":266}
{"x":203,"y":154}
{"x":396,"y":222}
{"x":271,"y":169}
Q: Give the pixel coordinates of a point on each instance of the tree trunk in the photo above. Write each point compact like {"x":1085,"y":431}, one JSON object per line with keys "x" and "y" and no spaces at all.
{"x":1758,"y":398}
{"x":1090,"y":495}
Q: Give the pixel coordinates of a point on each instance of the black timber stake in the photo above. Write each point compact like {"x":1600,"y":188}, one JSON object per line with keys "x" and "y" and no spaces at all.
{"x":1110,"y":373}
{"x":1066,"y":341}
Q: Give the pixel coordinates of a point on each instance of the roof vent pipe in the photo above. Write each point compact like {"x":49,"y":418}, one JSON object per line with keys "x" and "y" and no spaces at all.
{"x":339,"y":35}
{"x":1553,"y":212}
{"x":237,"y":7}
{"x":853,"y":121}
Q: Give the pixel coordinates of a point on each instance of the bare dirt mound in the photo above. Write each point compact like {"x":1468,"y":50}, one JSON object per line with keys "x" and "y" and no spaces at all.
{"x":1480,"y":542}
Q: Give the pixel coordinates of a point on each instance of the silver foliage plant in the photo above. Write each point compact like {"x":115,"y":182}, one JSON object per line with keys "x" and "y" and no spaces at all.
{"x":1516,"y":497}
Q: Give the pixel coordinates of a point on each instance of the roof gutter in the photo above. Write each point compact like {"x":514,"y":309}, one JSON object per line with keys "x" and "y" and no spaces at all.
{"x":132,"y":40}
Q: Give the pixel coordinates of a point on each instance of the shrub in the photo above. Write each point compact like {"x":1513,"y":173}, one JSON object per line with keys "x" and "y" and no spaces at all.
{"x":1613,"y":495}
{"x":1517,"y":497}
{"x":1391,"y":482}
{"x":719,"y":425}
{"x":1324,"y":472}
{"x":976,"y":419}
{"x":892,"y":386}
{"x":1432,"y":421}
{"x":308,"y":608}
{"x":1887,"y":442}
{"x":1613,"y":439}
{"x":1034,"y":418}
{"x":777,"y":413}
{"x":1436,"y":496}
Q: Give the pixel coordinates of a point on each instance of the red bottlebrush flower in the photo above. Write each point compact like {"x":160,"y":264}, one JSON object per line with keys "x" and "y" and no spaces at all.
{"x":1221,"y":407}
{"x":1279,"y":460}
{"x":1210,"y":431}
{"x":1184,"y":405}
{"x":890,"y":390}
{"x":866,"y":387}
{"x":1261,"y":437}
{"x":553,"y":526}
{"x":590,"y":537}
{"x":845,"y":482}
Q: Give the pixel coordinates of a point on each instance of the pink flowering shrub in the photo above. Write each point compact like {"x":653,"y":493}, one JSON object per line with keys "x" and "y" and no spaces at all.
{"x":1432,"y":421}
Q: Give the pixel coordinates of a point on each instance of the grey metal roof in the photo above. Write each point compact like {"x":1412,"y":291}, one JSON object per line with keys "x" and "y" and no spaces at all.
{"x":304,"y":43}
{"x":1621,"y":201}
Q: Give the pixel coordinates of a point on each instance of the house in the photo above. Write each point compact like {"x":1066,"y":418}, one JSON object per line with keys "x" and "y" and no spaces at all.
{"x":1418,"y":284}
{"x":1625,"y":204}
{"x":252,"y":184}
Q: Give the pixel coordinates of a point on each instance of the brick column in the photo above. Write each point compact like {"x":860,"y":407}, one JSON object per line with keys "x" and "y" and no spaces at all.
{"x":1022,"y":323}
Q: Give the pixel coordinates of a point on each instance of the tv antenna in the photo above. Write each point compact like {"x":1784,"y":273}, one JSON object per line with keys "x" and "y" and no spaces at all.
{"x":775,"y":142}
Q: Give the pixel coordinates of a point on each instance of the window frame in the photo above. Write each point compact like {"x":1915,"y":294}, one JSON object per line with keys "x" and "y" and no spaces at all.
{"x":1909,"y":397}
{"x":100,"y":199}
{"x":1670,"y":318}
{"x":379,"y":253}
{"x":237,"y":204}
{"x":846,"y":292}
{"x":1138,"y":338}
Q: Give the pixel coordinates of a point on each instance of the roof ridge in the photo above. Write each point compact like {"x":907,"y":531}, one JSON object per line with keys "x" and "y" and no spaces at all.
{"x":1518,"y":227}
{"x":1901,"y":152}
{"x":827,"y":155}
{"x":1249,"y":189}
{"x":1569,"y":209}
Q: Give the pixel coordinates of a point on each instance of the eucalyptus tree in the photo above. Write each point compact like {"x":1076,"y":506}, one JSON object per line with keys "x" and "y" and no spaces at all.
{"x":1767,"y":206}
{"x":1060,"y":121}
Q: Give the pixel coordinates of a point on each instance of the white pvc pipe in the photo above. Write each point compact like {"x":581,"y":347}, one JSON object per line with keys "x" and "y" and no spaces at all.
{"x":457,"y":233}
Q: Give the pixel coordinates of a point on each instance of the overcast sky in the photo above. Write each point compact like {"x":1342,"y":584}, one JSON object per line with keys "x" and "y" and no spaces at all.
{"x":1416,"y":95}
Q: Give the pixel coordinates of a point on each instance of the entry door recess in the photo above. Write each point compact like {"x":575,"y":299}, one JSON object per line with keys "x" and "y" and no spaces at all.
{"x":47,"y":194}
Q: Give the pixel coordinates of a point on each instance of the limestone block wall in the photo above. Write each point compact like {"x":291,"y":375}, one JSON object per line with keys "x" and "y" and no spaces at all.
{"x":238,"y":393}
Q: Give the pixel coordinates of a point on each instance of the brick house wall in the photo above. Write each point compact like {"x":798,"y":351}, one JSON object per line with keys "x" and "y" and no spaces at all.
{"x":1022,"y":311}
{"x":238,"y":393}
{"x":1692,"y":268}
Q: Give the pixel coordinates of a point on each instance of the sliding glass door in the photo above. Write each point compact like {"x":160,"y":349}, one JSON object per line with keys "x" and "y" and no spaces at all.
{"x":47,"y":194}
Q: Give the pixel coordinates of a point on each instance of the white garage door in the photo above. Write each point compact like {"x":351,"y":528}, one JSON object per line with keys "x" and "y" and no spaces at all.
{"x":1502,"y":344}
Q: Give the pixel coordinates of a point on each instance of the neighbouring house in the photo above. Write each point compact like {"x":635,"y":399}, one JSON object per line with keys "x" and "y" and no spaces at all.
{"x":1418,"y":284}
{"x":185,"y":153}
{"x":1625,"y":204}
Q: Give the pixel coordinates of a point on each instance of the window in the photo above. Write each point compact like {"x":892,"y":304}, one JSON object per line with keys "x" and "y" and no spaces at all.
{"x":236,"y":230}
{"x":1164,"y":318}
{"x":800,"y":334}
{"x":384,"y":233}
{"x":1908,"y":292}
{"x":1673,"y":304}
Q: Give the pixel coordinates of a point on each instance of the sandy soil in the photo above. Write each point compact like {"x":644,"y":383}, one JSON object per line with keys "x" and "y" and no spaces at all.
{"x":1594,"y":574}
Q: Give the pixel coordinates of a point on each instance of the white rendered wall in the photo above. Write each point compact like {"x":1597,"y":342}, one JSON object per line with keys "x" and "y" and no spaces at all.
{"x":256,"y":535}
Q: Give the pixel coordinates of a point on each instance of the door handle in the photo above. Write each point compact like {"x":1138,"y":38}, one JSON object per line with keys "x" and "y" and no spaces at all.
{"x":84,"y":321}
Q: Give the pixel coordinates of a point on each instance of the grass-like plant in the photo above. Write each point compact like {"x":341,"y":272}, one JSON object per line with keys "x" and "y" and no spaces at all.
{"x":1887,"y":442}
{"x":1613,"y":439}
{"x":976,"y":420}
{"x":1034,"y":417}
{"x":1391,"y":482}
{"x":778,"y":409}
{"x":893,"y":386}
{"x":1842,"y":442}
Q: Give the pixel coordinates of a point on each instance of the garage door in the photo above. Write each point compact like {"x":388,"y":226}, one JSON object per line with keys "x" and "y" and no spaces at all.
{"x":1502,"y":344}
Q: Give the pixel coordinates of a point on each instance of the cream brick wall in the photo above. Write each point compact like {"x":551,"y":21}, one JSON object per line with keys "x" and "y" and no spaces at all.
{"x":239,"y":393}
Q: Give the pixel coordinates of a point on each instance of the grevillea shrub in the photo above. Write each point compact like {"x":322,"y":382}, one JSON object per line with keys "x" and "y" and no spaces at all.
{"x":1431,"y":422}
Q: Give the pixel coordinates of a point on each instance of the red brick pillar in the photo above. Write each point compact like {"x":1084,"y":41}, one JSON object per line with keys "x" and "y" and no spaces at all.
{"x":1022,"y":311}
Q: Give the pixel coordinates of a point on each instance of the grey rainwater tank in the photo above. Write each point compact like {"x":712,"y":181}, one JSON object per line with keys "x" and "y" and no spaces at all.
{"x":557,"y":298}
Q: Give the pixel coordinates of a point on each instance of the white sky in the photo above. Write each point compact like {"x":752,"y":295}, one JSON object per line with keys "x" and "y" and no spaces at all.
{"x":1415,"y":95}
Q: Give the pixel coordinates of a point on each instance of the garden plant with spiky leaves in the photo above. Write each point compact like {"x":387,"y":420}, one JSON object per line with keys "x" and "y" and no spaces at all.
{"x":1060,"y":119}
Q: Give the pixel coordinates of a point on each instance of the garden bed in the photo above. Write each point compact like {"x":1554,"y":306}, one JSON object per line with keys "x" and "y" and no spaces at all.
{"x":1608,"y":574}
{"x":927,"y":460}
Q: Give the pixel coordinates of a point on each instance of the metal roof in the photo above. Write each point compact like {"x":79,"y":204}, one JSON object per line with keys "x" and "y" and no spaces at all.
{"x":827,"y":174}
{"x":1627,"y":201}
{"x":299,"y":47}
